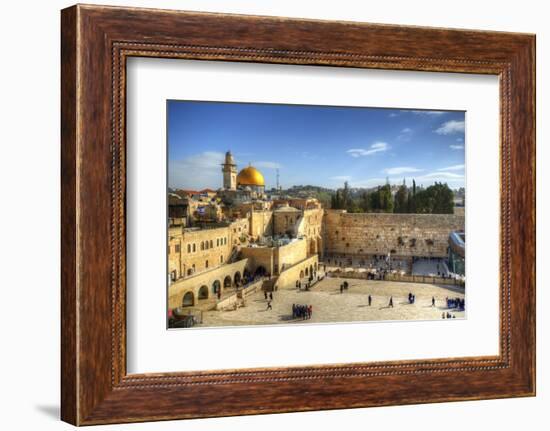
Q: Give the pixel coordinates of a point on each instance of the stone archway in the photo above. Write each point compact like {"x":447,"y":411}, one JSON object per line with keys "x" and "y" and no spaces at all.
{"x":188,"y":300}
{"x":302,"y":274}
{"x":307,"y":272}
{"x":203,"y":292}
{"x":216,"y":287}
{"x":227,"y":282}
{"x":311,"y":270}
{"x":261,"y":271}
{"x":237,"y":278}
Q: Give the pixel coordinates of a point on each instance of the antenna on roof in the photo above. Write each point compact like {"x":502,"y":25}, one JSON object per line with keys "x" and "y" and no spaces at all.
{"x":277,"y":178}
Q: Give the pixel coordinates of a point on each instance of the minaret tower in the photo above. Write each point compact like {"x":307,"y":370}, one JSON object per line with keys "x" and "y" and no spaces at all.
{"x":229,"y":169}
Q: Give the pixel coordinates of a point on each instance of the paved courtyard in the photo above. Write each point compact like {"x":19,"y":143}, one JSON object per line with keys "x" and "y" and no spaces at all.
{"x":329,"y":305}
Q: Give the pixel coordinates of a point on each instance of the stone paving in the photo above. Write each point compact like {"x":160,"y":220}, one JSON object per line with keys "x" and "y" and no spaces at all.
{"x":329,"y":305}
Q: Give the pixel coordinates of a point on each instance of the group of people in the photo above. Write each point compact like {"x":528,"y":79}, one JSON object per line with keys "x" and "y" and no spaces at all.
{"x":303,"y":312}
{"x":456,"y":303}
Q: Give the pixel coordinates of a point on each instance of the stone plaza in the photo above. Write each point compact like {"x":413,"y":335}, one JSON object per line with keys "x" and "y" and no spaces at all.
{"x":331,"y":306}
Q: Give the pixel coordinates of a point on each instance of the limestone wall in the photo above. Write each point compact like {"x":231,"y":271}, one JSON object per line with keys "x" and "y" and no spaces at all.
{"x":287,"y":279}
{"x":259,"y":256}
{"x":207,"y":279}
{"x":193,"y":251}
{"x":401,"y":234}
{"x":289,"y":254}
{"x":274,"y":259}
{"x":261,"y":224}
{"x":229,"y":302}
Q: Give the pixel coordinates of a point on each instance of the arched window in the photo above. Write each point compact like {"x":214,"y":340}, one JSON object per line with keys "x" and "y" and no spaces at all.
{"x":194,"y":248}
{"x":188,"y":248}
{"x":217,"y":242}
{"x":221,"y":258}
{"x":211,"y":243}
{"x":203,"y":292}
{"x":188,"y":300}
{"x":202,"y":245}
{"x":206,"y":264}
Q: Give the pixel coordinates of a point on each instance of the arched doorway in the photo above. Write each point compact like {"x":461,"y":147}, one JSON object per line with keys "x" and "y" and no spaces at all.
{"x":216,"y":287}
{"x":302,"y":274}
{"x":307,"y":273}
{"x":311,"y":270}
{"x":189,"y":271}
{"x":237,"y":278}
{"x":203,"y":292}
{"x":227,"y":282}
{"x":188,"y":300}
{"x":261,"y":271}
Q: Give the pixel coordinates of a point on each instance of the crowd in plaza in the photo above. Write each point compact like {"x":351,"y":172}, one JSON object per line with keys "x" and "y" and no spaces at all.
{"x":303,"y":312}
{"x":458,"y":303}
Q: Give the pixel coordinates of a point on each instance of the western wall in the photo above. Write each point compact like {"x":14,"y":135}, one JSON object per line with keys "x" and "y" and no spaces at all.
{"x":407,"y":235}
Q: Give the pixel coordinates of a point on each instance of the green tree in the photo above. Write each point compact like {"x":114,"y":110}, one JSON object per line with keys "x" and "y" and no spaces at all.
{"x":365,"y":202}
{"x":401,"y":199}
{"x":436,"y":199}
{"x":346,"y":198}
{"x":386,"y":199}
{"x":381,"y":199}
{"x":412,"y":199}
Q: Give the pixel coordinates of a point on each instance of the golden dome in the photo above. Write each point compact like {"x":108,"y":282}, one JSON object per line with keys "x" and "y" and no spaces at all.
{"x":250,"y":176}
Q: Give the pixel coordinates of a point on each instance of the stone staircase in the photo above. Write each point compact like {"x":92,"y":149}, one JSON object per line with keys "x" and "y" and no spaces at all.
{"x":267,"y":285}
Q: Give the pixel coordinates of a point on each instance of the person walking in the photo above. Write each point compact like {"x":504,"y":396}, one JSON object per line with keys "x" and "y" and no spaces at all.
{"x":269,"y":307}
{"x":265,"y":295}
{"x":370,"y":300}
{"x":391,"y":302}
{"x":271,"y":296}
{"x":433,"y":301}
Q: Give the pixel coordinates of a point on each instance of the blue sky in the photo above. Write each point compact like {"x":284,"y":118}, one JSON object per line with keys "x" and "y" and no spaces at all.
{"x":316,"y":145}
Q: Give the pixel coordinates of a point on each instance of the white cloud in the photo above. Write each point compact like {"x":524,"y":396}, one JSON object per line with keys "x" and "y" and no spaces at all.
{"x":426,"y":112}
{"x":446,"y":175}
{"x":452,"y":168}
{"x":459,"y":140}
{"x":197,"y":171}
{"x":401,"y":170}
{"x":456,"y":147}
{"x":393,"y":115}
{"x":377,"y":147}
{"x":267,"y":165}
{"x":406,"y":130}
{"x":450,"y":127}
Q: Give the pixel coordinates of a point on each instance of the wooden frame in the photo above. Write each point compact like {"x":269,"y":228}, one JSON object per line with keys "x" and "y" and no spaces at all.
{"x":96,"y":41}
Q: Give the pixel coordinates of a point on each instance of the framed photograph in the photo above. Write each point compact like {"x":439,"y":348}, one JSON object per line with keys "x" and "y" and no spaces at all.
{"x":265,"y":215}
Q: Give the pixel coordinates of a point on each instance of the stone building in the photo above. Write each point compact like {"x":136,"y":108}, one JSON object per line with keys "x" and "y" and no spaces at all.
{"x":402,"y":235}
